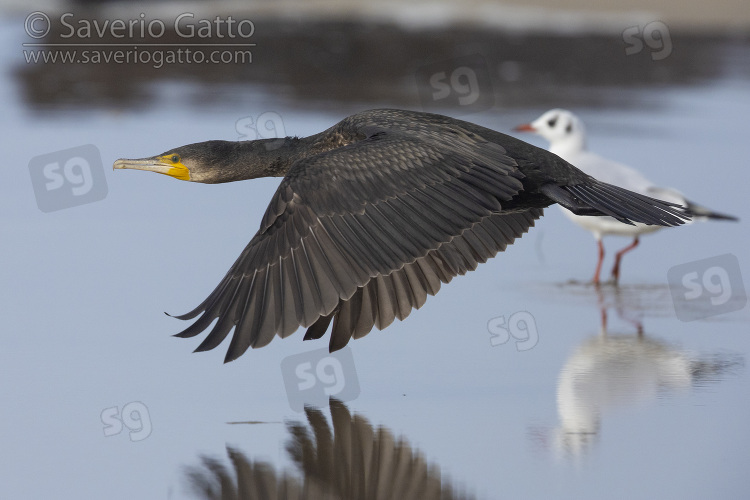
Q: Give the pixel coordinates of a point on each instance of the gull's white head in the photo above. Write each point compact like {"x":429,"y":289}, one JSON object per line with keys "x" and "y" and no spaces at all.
{"x":561,"y":128}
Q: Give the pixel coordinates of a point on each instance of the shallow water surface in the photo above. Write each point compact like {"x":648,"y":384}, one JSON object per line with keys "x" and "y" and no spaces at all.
{"x":516,"y":381}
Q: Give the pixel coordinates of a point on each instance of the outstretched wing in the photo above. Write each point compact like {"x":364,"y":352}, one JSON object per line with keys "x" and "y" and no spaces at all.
{"x":387,"y":297}
{"x":381,"y":217}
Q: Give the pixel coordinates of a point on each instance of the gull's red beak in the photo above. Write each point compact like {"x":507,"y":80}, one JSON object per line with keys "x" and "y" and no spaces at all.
{"x":526,"y":127}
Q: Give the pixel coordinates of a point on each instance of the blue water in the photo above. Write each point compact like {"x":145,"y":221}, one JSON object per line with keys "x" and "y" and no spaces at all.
{"x":99,"y":401}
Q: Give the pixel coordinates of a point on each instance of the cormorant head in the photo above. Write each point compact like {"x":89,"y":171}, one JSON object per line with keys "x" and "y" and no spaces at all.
{"x":208,"y":162}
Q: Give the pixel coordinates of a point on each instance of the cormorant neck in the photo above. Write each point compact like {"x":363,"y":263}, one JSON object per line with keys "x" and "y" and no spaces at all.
{"x":273,"y":157}
{"x":236,"y":161}
{"x":253,"y":159}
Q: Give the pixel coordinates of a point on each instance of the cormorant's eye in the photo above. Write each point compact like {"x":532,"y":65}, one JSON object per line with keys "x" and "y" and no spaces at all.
{"x":175,"y":158}
{"x":551,"y":122}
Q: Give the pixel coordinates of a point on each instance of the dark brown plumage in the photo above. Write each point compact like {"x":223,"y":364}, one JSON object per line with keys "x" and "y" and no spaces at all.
{"x":374,"y":214}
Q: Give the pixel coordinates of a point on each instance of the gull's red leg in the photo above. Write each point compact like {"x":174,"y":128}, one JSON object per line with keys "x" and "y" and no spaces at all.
{"x":618,"y":257}
{"x":599,"y":263}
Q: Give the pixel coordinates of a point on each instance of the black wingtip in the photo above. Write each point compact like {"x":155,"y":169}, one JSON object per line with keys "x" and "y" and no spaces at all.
{"x":183,"y":317}
{"x":320,"y":327}
{"x":192,"y":330}
{"x":629,"y":207}
{"x":702,"y":212}
{"x":230,"y":357}
{"x":715,"y":216}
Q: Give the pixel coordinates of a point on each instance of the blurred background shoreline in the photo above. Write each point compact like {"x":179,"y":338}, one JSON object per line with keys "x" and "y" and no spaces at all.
{"x":365,"y":54}
{"x":722,"y":17}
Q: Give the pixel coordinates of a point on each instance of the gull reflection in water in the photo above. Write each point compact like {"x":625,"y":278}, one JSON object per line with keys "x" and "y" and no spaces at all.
{"x":347,"y":460}
{"x":612,"y":371}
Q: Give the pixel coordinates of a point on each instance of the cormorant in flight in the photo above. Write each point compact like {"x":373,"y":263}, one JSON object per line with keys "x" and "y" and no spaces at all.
{"x":373,"y":214}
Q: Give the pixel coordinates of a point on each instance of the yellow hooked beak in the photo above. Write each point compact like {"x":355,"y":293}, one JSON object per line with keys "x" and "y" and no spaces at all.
{"x":167,"y":164}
